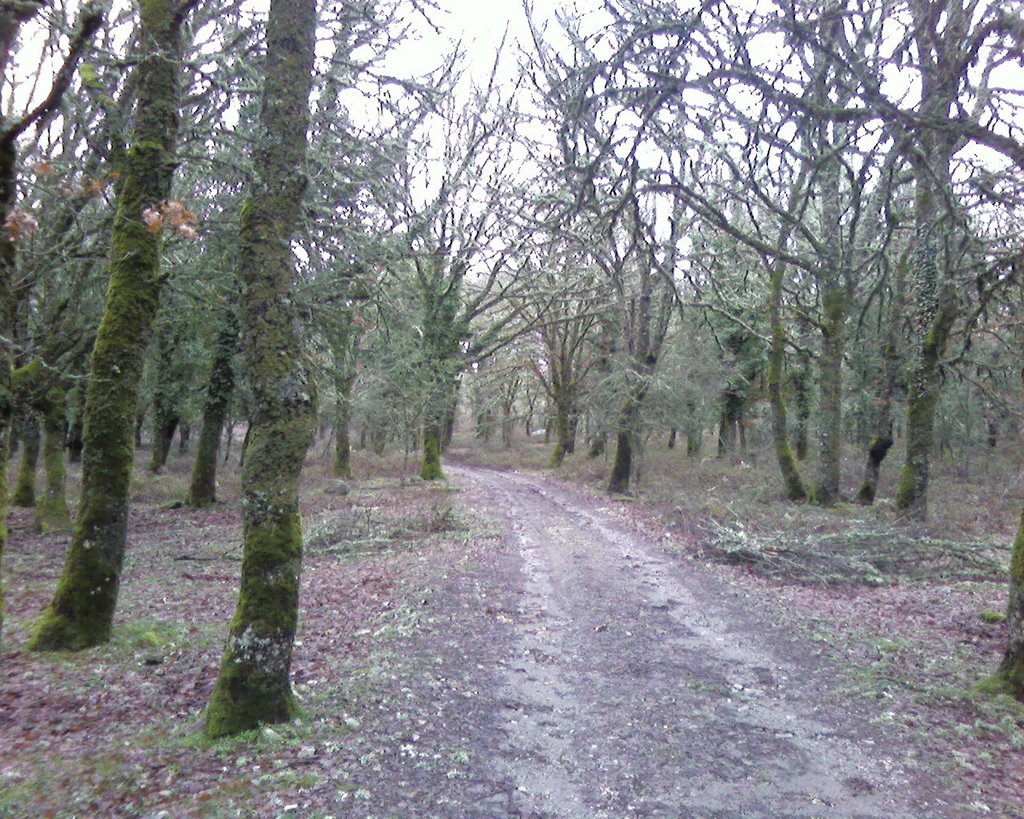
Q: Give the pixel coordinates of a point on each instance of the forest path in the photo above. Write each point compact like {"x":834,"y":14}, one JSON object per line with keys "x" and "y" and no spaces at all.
{"x":588,"y":674}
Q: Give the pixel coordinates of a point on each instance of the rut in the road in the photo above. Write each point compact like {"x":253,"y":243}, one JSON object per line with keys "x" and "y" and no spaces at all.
{"x":585,"y":672}
{"x":635,"y":691}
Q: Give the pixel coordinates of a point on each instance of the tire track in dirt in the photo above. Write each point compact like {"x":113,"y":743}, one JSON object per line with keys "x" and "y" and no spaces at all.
{"x":638,"y":686}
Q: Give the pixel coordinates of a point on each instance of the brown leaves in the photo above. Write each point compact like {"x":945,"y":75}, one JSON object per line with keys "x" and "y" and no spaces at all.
{"x":20,"y":225}
{"x":172,"y":214}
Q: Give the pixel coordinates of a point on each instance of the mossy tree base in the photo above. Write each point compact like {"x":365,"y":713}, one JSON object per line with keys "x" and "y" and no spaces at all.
{"x":253,"y":686}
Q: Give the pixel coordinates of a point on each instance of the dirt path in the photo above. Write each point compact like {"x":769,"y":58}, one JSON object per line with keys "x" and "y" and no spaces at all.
{"x":578,"y":671}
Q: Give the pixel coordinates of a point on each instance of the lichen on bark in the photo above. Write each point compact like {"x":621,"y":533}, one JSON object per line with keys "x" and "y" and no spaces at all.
{"x":253,"y":685}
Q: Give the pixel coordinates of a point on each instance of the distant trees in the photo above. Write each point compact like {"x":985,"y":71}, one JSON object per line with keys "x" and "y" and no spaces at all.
{"x":712,"y":220}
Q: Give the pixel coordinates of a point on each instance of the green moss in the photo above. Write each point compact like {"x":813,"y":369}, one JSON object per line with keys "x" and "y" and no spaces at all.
{"x":430,"y":469}
{"x":25,"y":484}
{"x":52,"y":509}
{"x":992,"y":616}
{"x":253,"y":686}
{"x":81,"y":612}
{"x":1004,"y":682}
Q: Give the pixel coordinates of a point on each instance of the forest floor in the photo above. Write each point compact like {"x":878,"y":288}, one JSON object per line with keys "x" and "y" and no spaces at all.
{"x":518,"y":644}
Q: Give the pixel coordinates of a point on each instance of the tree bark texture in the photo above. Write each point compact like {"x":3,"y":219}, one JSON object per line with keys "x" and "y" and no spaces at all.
{"x":344,"y":381}
{"x":253,"y":685}
{"x":219,"y":387}
{"x":51,"y":512}
{"x":25,"y":484}
{"x":82,"y":610}
{"x":792,"y":483}
{"x":166,"y":417}
{"x":882,"y":440}
{"x":935,"y":316}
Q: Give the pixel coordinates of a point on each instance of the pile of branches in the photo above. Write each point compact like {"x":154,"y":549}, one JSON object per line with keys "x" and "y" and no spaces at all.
{"x":862,"y":555}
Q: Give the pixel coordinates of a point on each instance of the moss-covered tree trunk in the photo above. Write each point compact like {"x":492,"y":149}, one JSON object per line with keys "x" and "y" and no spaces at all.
{"x":433,"y":438}
{"x":166,"y":417}
{"x":12,"y":16}
{"x":82,"y":610}
{"x":622,"y":466}
{"x":25,"y":484}
{"x":8,"y":159}
{"x":934,"y":311}
{"x":922,"y":399}
{"x":831,"y":279}
{"x":1011,"y":670}
{"x":882,"y":439}
{"x":253,"y":686}
{"x":730,"y":418}
{"x":344,"y":381}
{"x":219,"y":387}
{"x":52,"y":509}
{"x":565,"y":430}
{"x":76,"y":426}
{"x":792,"y":483}
{"x":830,"y":407}
{"x":802,"y":399}
{"x":36,"y":386}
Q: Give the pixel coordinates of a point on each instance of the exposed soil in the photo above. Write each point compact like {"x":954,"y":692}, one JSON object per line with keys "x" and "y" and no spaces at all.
{"x":516,"y":647}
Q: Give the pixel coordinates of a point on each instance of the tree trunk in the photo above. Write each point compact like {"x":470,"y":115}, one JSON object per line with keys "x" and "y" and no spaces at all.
{"x":672,"y":434}
{"x":565,"y":439}
{"x":802,"y":390}
{"x":184,"y":436}
{"x":830,"y":409}
{"x":82,"y":611}
{"x":165,"y":399}
{"x":52,"y":509}
{"x":693,"y":443}
{"x":625,"y":444}
{"x":922,"y":398}
{"x":25,"y":484}
{"x":433,"y":434}
{"x":345,"y":377}
{"x":729,"y":420}
{"x":507,"y":429}
{"x":882,"y":441}
{"x":8,"y":194}
{"x":74,"y":437}
{"x":164,"y":426}
{"x":221,"y":383}
{"x":622,"y":466}
{"x":793,"y":485}
{"x":253,"y":686}
{"x":1011,"y":670}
